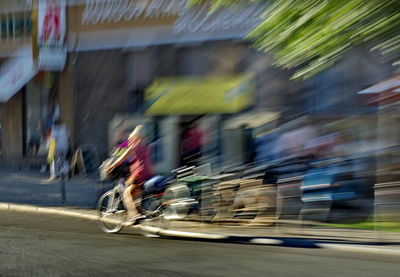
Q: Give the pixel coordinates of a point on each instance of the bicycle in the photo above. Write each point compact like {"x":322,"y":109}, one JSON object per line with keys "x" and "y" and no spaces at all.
{"x":158,"y":208}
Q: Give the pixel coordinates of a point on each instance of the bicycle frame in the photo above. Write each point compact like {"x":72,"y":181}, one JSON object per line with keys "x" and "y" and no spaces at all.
{"x":120,"y":188}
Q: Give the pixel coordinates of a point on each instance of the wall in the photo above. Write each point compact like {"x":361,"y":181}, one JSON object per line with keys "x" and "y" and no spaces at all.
{"x":67,"y":96}
{"x":192,"y":61}
{"x":99,"y":95}
{"x":169,"y":134}
{"x":12,"y":132}
{"x":336,"y":89}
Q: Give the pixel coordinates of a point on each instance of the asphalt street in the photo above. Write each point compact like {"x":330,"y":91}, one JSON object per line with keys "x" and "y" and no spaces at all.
{"x":46,"y":245}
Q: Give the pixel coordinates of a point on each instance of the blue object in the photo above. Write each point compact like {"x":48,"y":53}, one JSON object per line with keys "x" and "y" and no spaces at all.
{"x":156,"y":184}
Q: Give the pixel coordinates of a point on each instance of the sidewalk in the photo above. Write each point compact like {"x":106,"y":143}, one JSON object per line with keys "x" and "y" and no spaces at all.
{"x":331,"y":234}
{"x":32,"y":187}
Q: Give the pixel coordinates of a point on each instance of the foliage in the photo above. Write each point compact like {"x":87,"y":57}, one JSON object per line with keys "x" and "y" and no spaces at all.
{"x":311,"y":35}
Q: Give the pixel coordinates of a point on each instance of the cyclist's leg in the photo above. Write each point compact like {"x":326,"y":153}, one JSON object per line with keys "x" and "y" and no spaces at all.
{"x":129,"y":203}
{"x":137,"y":193}
{"x":132,"y":193}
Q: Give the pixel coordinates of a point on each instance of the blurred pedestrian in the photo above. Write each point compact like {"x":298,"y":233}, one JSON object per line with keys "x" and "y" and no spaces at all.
{"x":191,"y":145}
{"x":60,"y":136}
{"x":293,"y":143}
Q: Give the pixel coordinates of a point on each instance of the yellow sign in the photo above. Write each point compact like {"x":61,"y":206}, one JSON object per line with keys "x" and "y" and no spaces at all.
{"x":199,"y":95}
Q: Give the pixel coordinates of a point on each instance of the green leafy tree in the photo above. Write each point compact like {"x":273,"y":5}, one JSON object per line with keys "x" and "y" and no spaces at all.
{"x":311,"y":35}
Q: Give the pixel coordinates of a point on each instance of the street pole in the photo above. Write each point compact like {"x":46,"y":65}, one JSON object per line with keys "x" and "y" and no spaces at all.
{"x":63,"y":194}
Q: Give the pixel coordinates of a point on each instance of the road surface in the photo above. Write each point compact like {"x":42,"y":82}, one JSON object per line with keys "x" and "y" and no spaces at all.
{"x":46,"y":245}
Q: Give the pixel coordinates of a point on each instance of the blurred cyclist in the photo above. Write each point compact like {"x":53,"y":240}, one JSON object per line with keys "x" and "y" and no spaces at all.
{"x":138,"y":157}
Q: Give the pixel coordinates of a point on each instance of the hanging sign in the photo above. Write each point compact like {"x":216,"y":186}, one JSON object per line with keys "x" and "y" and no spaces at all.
{"x":200,"y":95}
{"x":51,"y":34}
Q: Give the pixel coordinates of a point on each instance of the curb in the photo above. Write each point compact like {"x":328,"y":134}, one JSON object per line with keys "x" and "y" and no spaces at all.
{"x":360,"y":248}
{"x":44,"y":210}
{"x":158,"y":232}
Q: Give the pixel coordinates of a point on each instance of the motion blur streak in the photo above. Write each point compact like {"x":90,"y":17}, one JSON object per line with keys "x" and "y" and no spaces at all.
{"x":273,"y":112}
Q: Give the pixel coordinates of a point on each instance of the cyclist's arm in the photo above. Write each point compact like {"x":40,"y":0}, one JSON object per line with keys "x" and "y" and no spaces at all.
{"x":127,"y":154}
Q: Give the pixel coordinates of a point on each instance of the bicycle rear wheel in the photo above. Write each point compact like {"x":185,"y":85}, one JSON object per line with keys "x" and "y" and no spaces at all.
{"x":111,"y":211}
{"x":177,"y":200}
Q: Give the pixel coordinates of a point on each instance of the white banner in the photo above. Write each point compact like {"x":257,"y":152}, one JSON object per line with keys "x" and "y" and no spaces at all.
{"x":52,"y":26}
{"x":101,"y":11}
{"x":52,"y":58}
{"x":15,"y":73}
{"x":235,"y":18}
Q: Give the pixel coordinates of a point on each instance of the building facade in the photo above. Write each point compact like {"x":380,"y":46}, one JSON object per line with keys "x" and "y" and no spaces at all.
{"x":118,"y":49}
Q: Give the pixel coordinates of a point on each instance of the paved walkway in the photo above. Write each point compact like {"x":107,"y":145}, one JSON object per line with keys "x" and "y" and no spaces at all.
{"x":32,"y":187}
{"x":331,"y":234}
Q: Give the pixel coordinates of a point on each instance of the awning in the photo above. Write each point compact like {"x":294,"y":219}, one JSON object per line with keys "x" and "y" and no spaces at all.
{"x":15,"y":73}
{"x":392,"y":84}
{"x":199,"y":95}
{"x":386,"y":91}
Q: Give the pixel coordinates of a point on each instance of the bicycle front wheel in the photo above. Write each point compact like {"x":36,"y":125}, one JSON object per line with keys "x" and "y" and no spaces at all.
{"x":111,"y":211}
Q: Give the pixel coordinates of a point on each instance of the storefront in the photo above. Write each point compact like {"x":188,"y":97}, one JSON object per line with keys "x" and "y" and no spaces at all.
{"x":14,"y":74}
{"x":41,"y":107}
{"x":193,"y":110}
{"x":116,"y":52}
{"x":28,"y":84}
{"x":116,"y":57}
{"x":183,"y":117}
{"x":386,"y":96}
{"x":26,"y":120}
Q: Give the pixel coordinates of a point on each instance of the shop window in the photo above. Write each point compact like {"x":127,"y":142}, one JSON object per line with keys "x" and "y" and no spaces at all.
{"x":15,"y":24}
{"x":41,"y":108}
